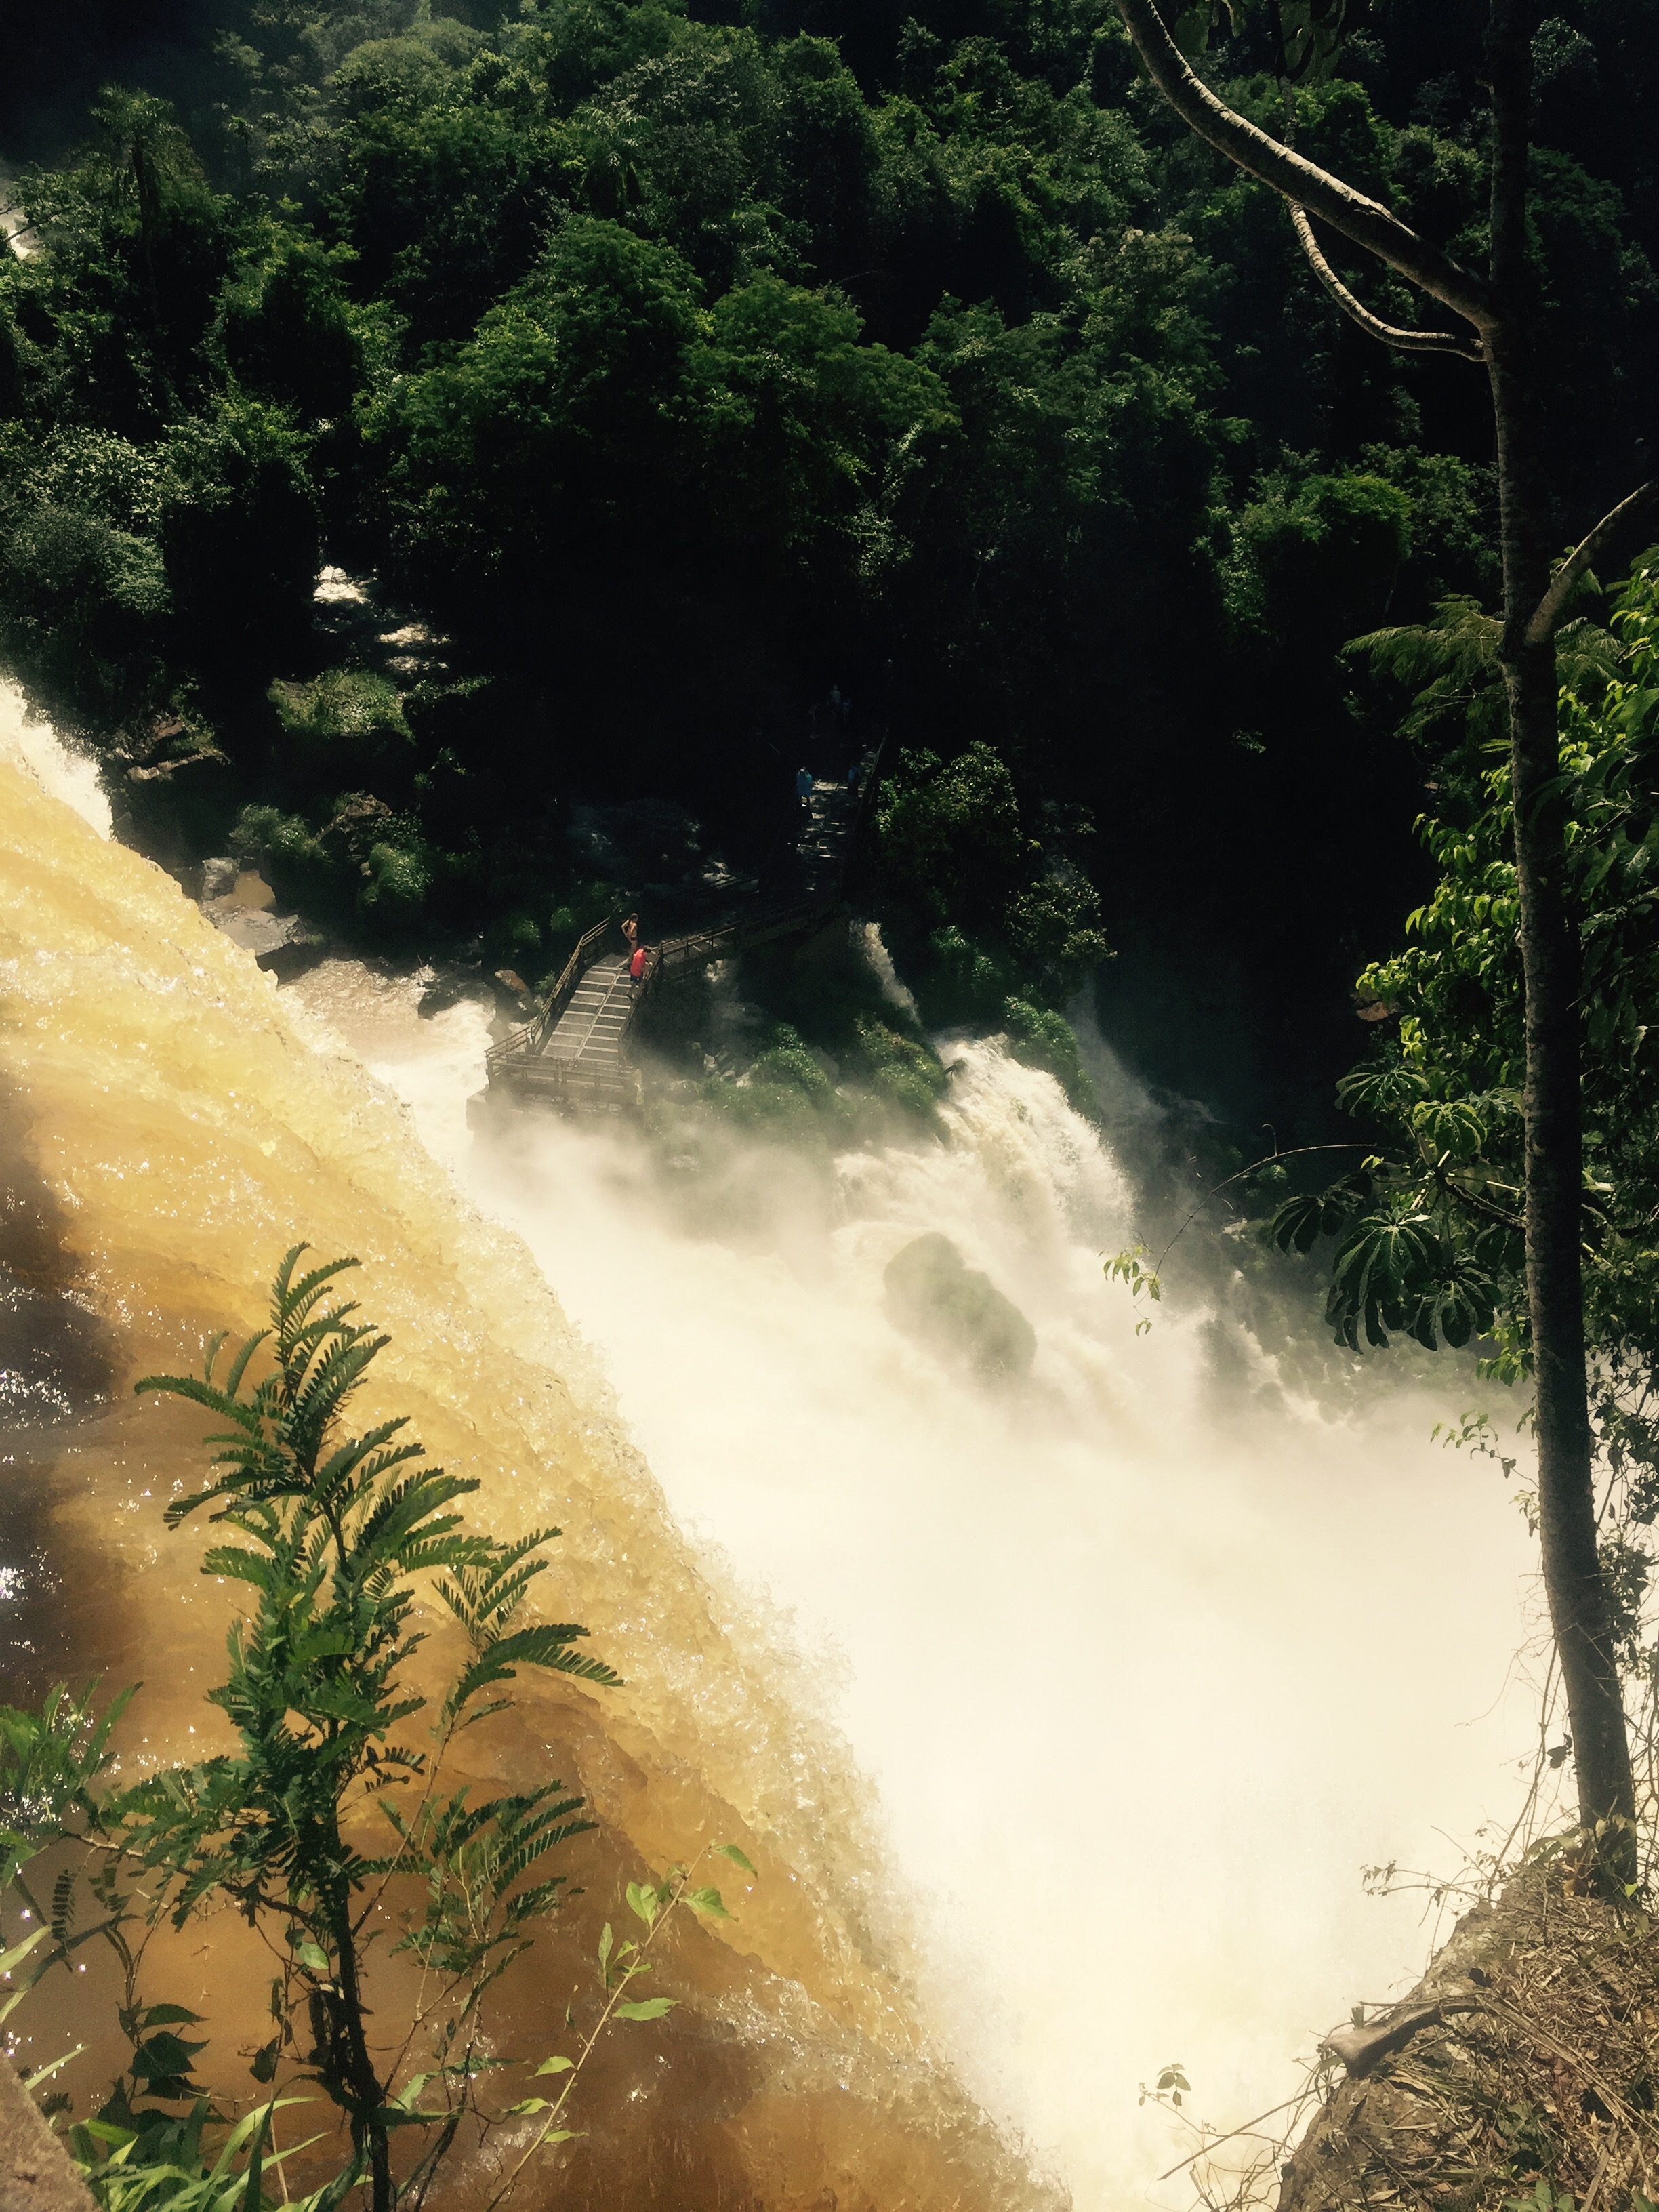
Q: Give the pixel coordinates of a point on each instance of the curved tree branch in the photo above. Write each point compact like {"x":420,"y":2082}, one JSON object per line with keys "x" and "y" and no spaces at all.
{"x":1547,"y":613}
{"x":1467,"y":348}
{"x":1302,"y":182}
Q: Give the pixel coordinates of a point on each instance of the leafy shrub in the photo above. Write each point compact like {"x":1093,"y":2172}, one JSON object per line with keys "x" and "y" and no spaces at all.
{"x":349,"y":703}
{"x":1327,"y":555}
{"x":1056,"y":926}
{"x":336,"y":1536}
{"x":785,"y":1093}
{"x":787,"y":1060}
{"x":898,"y":1069}
{"x":346,"y":727}
{"x":394,"y":895}
{"x":304,"y":873}
{"x":966,"y":980}
{"x":240,"y":527}
{"x":948,"y":836}
{"x":284,"y":329}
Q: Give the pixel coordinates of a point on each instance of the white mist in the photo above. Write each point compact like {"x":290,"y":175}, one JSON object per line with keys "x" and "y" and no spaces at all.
{"x":1145,"y":1669}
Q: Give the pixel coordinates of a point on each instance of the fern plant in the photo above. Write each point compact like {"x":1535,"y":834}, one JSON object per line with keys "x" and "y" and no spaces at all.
{"x":327,"y":1528}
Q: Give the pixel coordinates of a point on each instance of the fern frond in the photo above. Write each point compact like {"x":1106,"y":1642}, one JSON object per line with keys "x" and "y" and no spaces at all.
{"x":332,"y":1381}
{"x":290,"y":1301}
{"x":201,"y":1393}
{"x":307,"y":1341}
{"x":228,"y":1559}
{"x":584,"y":1670}
{"x":499,"y":1660}
{"x":356,"y":1449}
{"x":238,"y":1365}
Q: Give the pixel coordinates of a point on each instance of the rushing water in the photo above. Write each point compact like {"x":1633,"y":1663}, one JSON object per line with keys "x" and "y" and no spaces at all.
{"x":1144,"y":1656}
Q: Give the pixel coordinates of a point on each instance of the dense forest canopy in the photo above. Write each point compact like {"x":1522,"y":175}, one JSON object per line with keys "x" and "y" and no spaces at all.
{"x":677,"y":364}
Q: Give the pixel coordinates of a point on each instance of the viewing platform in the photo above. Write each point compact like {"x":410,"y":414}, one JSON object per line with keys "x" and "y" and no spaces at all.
{"x":573,"y":1058}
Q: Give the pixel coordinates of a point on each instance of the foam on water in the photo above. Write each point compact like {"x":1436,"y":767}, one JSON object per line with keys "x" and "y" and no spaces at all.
{"x":35,"y":746}
{"x":1145,"y":1665}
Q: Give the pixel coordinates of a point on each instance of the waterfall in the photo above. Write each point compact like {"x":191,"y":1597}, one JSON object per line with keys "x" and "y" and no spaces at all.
{"x":1058,"y":1714}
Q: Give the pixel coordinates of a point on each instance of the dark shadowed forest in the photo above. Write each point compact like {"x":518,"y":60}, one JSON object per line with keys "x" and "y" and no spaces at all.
{"x":676,"y":366}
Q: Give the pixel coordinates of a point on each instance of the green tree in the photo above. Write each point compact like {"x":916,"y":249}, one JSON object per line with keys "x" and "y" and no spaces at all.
{"x":952,"y":845}
{"x":1431,"y":1230}
{"x":147,"y":164}
{"x":1501,"y":322}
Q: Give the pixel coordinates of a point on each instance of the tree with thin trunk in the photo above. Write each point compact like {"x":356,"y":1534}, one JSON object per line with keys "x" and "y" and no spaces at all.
{"x":1495,"y":316}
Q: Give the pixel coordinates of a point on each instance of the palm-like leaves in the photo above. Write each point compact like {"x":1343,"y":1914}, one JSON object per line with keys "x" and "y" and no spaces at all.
{"x":1397,"y":1270}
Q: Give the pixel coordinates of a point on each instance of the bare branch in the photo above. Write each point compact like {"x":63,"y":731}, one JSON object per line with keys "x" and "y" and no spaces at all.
{"x":1360,"y":2048}
{"x":1547,"y":613}
{"x":1467,"y":348}
{"x":1302,"y":182}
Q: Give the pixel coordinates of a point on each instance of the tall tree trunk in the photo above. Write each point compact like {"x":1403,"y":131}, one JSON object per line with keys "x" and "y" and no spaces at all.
{"x":1502,"y":314}
{"x":1573,"y":1581}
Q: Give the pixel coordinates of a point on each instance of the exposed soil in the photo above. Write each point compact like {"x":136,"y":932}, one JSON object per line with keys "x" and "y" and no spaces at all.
{"x":1527,"y":2059}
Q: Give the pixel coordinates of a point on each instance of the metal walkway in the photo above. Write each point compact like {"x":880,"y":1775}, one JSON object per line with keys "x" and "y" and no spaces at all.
{"x":601,"y":1007}
{"x":572,"y":1057}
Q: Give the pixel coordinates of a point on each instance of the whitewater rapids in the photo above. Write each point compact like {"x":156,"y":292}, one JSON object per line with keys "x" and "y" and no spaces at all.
{"x":1136,"y":1667}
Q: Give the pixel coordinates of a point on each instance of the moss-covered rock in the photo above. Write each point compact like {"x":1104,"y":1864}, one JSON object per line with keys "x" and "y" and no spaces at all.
{"x":897,"y":1068}
{"x":958,"y":1313}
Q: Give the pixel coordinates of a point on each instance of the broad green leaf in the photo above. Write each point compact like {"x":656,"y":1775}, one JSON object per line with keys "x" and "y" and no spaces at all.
{"x":646,"y":2008}
{"x":556,"y":2065}
{"x":708,"y":1901}
{"x":642,"y":1901}
{"x":731,"y":1851}
{"x":528,"y":2104}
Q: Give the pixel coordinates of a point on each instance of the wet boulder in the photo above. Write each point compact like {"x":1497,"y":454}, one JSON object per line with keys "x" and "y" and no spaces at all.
{"x":960,"y":1315}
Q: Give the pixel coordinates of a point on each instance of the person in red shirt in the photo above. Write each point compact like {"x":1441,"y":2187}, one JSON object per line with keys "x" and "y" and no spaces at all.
{"x":637,"y":965}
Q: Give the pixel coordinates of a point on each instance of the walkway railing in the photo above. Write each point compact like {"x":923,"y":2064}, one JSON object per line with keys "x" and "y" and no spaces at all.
{"x":759,"y":927}
{"x":586,"y":952}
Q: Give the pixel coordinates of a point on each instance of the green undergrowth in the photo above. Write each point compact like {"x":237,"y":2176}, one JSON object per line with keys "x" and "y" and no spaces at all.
{"x":881,"y":1080}
{"x":812,"y":1055}
{"x":1039,"y":1037}
{"x":826,"y":1061}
